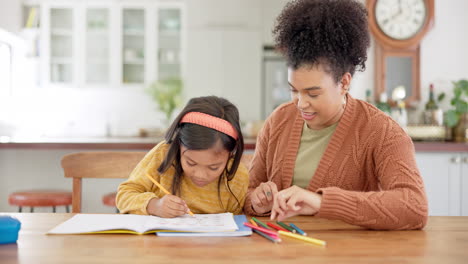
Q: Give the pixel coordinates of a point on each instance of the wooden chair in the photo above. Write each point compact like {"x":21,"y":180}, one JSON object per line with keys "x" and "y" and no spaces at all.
{"x":109,"y":164}
{"x":105,"y":165}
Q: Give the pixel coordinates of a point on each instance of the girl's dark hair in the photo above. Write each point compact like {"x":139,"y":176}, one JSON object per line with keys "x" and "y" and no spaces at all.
{"x":330,"y":33}
{"x":197,"y":137}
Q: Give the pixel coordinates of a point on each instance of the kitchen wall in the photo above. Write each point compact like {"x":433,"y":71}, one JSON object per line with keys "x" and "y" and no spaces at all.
{"x":10,"y":15}
{"x":444,"y":54}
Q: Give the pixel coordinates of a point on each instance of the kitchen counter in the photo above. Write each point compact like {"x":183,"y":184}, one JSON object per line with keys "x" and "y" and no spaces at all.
{"x":148,"y":143}
{"x":107,"y":143}
{"x":440,"y":146}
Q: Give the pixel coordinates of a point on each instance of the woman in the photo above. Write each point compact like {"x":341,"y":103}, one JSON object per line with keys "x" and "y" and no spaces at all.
{"x":326,"y":153}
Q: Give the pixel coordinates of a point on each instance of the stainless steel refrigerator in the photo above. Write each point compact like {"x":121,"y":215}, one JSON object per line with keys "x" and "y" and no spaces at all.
{"x":275,"y":89}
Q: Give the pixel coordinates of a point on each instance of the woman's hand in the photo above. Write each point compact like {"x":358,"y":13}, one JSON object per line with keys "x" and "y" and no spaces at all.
{"x":168,"y":206}
{"x":262,"y":197}
{"x":295,"y":201}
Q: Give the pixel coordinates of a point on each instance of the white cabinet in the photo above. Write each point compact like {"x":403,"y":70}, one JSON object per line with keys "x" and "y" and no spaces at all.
{"x":111,"y":42}
{"x":97,"y":43}
{"x":445,"y":177}
{"x":464,"y":183}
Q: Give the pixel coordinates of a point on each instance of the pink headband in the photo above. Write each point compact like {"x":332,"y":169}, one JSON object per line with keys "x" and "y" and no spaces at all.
{"x":210,"y":121}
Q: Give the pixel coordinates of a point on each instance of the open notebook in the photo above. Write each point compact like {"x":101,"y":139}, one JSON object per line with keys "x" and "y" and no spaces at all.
{"x":144,"y":224}
{"x":241,"y":231}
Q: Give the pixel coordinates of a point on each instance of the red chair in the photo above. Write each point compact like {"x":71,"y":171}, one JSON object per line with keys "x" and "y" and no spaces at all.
{"x":41,"y":198}
{"x":109,"y":200}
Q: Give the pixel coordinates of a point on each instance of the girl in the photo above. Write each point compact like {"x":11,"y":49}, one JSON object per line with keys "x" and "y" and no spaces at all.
{"x":199,"y":163}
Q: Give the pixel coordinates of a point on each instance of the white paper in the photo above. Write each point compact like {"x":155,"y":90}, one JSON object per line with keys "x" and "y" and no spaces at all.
{"x":88,"y":223}
{"x":241,"y":231}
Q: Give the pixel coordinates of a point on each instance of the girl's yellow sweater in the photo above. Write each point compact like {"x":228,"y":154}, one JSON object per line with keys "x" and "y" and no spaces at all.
{"x":134,"y":194}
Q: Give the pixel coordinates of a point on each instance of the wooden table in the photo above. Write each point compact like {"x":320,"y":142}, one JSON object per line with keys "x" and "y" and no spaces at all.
{"x":444,"y":240}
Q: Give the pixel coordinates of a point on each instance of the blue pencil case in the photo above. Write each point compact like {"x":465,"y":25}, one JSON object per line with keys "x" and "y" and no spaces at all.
{"x":9,"y":229}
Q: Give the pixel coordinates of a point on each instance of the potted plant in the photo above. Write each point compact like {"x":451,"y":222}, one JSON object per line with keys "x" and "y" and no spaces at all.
{"x":167,"y":94}
{"x":458,"y":116}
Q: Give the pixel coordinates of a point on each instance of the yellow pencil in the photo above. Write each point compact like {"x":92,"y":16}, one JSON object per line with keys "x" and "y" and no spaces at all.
{"x":163,"y":189}
{"x":303,"y":238}
{"x":253,"y":222}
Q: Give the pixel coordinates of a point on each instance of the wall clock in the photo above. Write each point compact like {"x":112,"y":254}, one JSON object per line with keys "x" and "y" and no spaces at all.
{"x":398,"y":26}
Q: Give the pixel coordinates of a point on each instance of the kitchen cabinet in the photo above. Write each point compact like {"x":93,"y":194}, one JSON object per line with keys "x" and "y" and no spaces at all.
{"x":445,"y":176}
{"x":111,"y":43}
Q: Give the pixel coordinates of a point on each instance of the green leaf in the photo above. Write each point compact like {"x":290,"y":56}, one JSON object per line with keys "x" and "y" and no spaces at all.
{"x":461,"y":106}
{"x":457,"y":91}
{"x":451,"y":118}
{"x":453,"y":101}
{"x":463,"y":85}
{"x":166,"y":93}
{"x":441,"y":97}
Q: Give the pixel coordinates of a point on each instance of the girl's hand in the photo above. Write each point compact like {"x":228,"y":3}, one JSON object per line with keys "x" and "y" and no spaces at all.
{"x":262,"y":197}
{"x":168,"y":206}
{"x":295,"y":201}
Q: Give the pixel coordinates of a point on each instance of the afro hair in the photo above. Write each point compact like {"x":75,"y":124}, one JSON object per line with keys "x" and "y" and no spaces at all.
{"x":331,"y":33}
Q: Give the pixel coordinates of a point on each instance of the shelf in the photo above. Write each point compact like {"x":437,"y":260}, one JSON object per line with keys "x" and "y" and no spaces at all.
{"x":97,"y":61}
{"x":134,"y":32}
{"x":169,"y":63}
{"x":61,"y":32}
{"x":135,"y":62}
{"x":61,"y":60}
{"x":170,"y":33}
{"x":103,"y":32}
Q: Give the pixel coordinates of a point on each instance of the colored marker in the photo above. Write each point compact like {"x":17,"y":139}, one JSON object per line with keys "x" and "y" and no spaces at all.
{"x":285,"y":226}
{"x":298,"y":229}
{"x":264,"y":230}
{"x":304,"y":238}
{"x":253,"y":222}
{"x":260,"y":223}
{"x":276,"y":227}
{"x":274,"y":240}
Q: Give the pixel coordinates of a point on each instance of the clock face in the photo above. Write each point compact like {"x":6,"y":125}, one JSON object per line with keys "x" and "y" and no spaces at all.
{"x":400,"y":19}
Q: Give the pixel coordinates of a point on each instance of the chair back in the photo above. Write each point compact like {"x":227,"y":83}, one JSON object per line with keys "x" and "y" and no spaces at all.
{"x":106,"y":164}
